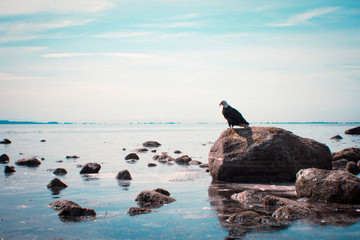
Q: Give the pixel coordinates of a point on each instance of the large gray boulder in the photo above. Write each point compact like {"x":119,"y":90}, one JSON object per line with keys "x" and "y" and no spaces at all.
{"x":328,"y":185}
{"x":262,"y":154}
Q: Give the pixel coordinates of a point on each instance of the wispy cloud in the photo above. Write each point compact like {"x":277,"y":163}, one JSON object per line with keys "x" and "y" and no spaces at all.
{"x":110,"y":54}
{"x":303,"y":18}
{"x":173,"y":25}
{"x":16,"y":7}
{"x":23,"y":31}
{"x":123,"y":34}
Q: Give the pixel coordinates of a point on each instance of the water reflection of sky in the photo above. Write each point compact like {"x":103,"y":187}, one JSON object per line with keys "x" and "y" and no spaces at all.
{"x":24,"y":210}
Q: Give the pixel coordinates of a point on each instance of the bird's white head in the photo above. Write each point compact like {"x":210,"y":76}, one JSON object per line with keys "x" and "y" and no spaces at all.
{"x":224,"y":104}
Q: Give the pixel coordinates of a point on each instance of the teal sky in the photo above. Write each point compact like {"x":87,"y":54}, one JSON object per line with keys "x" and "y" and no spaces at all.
{"x":122,"y":61}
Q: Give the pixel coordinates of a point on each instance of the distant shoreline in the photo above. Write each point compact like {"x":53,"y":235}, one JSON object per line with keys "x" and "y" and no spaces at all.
{"x":7,"y":122}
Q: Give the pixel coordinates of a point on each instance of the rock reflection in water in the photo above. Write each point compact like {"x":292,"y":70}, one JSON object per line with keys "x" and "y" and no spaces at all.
{"x":237,"y":217}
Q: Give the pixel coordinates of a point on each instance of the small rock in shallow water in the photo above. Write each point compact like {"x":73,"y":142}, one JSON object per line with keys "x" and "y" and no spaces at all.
{"x":142,"y":150}
{"x":124,"y":175}
{"x":5,"y":141}
{"x":90,"y":168}
{"x":70,"y":210}
{"x":9,"y":169}
{"x":152,"y":165}
{"x":60,"y":171}
{"x":152,"y":199}
{"x":56,"y":185}
{"x":133,"y":211}
{"x":247,"y":218}
{"x":4,"y":158}
{"x":74,"y":156}
{"x":151,"y":144}
{"x":132,"y":156}
{"x":30,"y":162}
{"x":337,"y":137}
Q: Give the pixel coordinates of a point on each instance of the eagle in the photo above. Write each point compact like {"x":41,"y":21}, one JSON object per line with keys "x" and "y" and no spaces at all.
{"x":232,"y":116}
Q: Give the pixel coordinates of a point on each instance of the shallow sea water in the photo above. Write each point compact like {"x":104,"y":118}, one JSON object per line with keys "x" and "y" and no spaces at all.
{"x":24,"y":211}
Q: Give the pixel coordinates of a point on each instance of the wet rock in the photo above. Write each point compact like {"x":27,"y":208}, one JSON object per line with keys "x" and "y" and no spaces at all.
{"x":248,"y":196}
{"x":151,"y":144}
{"x":153,"y":151}
{"x":124,"y":175}
{"x":162,"y":191}
{"x":142,"y":150}
{"x":339,"y":164}
{"x":9,"y":169}
{"x":291,"y":213}
{"x":352,"y":167}
{"x":152,"y":165}
{"x":177,"y":152}
{"x":90,"y":168}
{"x":56,"y":185}
{"x":185,"y":159}
{"x":247,"y":218}
{"x":163,"y":158}
{"x":152,"y":199}
{"x":60,"y":171}
{"x":195,"y":162}
{"x":4,"y":158}
{"x":133,"y":211}
{"x":42,"y":140}
{"x":276,"y":201}
{"x":69,"y":210}
{"x":5,"y":141}
{"x":350,"y":154}
{"x":337,"y":137}
{"x":30,"y":162}
{"x":355,"y":131}
{"x":132,"y":156}
{"x":262,"y":154}
{"x":328,"y":185}
{"x":73,"y":156}
{"x":204,"y":165}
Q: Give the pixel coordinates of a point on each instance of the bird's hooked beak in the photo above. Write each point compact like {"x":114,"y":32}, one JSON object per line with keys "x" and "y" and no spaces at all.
{"x":221,"y":103}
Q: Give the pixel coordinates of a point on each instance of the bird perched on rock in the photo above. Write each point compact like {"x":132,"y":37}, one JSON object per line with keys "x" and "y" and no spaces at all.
{"x":233,"y":116}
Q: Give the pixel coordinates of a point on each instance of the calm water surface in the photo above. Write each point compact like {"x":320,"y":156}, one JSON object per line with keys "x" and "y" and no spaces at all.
{"x":24,"y":210}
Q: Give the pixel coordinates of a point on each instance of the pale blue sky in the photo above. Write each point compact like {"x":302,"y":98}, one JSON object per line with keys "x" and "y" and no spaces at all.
{"x":163,"y":60}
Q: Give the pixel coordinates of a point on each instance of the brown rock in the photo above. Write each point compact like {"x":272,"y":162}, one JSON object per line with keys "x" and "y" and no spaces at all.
{"x":248,"y":196}
{"x":183,"y":159}
{"x":152,"y":199}
{"x":9,"y":169}
{"x":124,"y":175}
{"x":339,"y":164}
{"x":355,"y":130}
{"x":352,"y":167}
{"x":291,"y":213}
{"x":151,"y":144}
{"x":337,"y":137}
{"x":30,"y":162}
{"x":90,"y":168}
{"x":262,"y":154}
{"x":328,"y":185}
{"x":350,"y":154}
{"x":133,"y":211}
{"x":4,"y":158}
{"x":56,"y":185}
{"x":247,"y":218}
{"x":70,"y":210}
{"x":60,"y":171}
{"x":132,"y":156}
